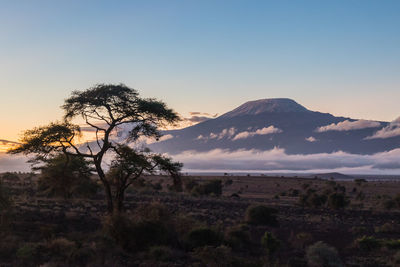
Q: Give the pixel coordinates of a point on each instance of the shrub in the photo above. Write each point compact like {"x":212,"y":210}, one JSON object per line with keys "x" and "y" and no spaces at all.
{"x":135,"y":235}
{"x":66,"y":178}
{"x":28,"y":253}
{"x":189,"y":183}
{"x":301,"y":240}
{"x":312,"y":199}
{"x":203,"y":236}
{"x":321,"y":255}
{"x":338,"y":201}
{"x":360,"y":181}
{"x":213,"y":187}
{"x":5,"y":201}
{"x":161,"y":253}
{"x":392,"y":244}
{"x":387,"y":228}
{"x":261,"y":215}
{"x":294,"y":192}
{"x":368,"y":243}
{"x":10,"y":177}
{"x":214,"y":256}
{"x":270,"y":243}
{"x":396,"y":259}
{"x":238,"y":237}
{"x":61,"y":248}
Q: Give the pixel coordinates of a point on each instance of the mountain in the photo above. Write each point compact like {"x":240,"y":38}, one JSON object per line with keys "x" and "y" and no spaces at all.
{"x":280,"y":122}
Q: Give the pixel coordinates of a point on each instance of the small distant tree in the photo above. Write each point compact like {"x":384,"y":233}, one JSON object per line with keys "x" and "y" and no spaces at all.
{"x":65,"y":176}
{"x":106,"y":109}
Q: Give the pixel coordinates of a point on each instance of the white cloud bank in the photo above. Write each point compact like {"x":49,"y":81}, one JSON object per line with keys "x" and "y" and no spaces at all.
{"x":274,"y":160}
{"x":392,"y":130}
{"x":266,"y":130}
{"x":348,"y":126}
{"x":277,"y":160}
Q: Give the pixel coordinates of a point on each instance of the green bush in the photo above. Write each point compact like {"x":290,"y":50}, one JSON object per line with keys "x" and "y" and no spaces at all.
{"x":271,"y":244}
{"x":238,"y":237}
{"x":261,"y":215}
{"x":322,"y":255}
{"x":368,"y":243}
{"x":213,"y":187}
{"x":203,"y":236}
{"x":338,"y":201}
{"x":312,"y":199}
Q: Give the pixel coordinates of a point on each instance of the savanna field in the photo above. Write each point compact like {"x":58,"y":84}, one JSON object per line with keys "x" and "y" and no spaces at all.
{"x":214,"y":221}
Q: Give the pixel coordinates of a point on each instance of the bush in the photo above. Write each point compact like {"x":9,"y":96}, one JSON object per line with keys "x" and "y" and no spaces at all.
{"x":62,"y":177}
{"x":147,"y":229}
{"x":261,"y":215}
{"x":396,"y":259}
{"x":61,"y":248}
{"x":10,"y":177}
{"x":238,"y":237}
{"x":5,"y":201}
{"x":161,"y":253}
{"x":270,"y":243}
{"x":392,"y":244}
{"x":214,"y":256}
{"x":312,"y":199}
{"x":387,"y":228}
{"x":321,"y":255}
{"x":203,"y":236}
{"x":368,"y":243}
{"x":338,"y":201}
{"x":189,"y":183}
{"x":28,"y":254}
{"x":213,"y":187}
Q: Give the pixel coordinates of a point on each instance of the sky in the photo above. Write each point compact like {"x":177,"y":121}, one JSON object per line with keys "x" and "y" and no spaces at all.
{"x":341,"y":57}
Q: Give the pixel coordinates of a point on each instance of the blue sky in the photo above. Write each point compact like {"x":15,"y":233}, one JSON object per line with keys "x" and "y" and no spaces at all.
{"x":341,"y":57}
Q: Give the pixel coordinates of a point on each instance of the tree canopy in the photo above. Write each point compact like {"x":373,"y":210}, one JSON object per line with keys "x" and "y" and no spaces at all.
{"x":107,"y":109}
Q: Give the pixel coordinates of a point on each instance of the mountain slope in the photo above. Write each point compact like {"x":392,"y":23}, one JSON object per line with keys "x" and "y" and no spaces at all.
{"x":268,"y":123}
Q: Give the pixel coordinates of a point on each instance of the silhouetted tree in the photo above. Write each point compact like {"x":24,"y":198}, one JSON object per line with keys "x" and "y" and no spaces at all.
{"x":105,"y":108}
{"x":65,"y":176}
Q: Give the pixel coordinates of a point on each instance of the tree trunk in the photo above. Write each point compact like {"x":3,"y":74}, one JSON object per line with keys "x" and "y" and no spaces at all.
{"x":107,"y":188}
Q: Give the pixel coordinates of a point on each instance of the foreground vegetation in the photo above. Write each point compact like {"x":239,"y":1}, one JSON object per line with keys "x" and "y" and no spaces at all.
{"x":215,"y":221}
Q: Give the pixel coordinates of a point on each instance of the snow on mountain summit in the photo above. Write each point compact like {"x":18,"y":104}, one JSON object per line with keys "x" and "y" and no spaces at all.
{"x":271,"y":105}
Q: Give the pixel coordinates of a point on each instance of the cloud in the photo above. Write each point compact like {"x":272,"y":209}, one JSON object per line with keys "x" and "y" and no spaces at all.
{"x":392,"y":130}
{"x":311,"y":139}
{"x":266,"y":130}
{"x":197,"y":119}
{"x":225,"y":133}
{"x":277,"y":160}
{"x":149,"y":141}
{"x":5,"y":145}
{"x":348,"y":126}
{"x":13,"y":163}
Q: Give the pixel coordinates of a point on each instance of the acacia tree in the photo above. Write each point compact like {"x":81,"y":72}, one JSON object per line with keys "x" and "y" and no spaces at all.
{"x":106,"y":108}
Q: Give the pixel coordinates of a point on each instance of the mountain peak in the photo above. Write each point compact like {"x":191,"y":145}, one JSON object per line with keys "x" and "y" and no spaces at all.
{"x":271,"y":105}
